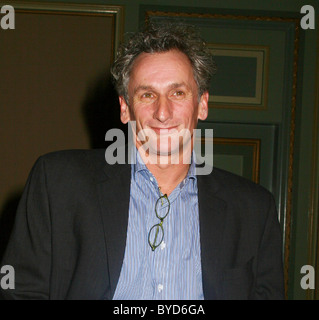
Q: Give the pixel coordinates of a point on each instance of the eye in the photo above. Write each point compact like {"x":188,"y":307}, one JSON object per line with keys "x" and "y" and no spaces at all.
{"x":147,"y":95}
{"x":179,"y":94}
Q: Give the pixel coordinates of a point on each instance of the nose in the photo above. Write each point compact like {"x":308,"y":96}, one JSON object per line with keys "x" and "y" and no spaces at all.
{"x":163,"y":111}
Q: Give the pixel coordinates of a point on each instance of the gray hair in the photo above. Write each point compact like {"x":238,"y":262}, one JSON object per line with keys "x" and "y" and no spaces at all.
{"x":163,"y":38}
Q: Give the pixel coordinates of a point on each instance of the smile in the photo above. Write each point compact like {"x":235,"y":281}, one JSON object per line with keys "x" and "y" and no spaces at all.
{"x":163,"y":131}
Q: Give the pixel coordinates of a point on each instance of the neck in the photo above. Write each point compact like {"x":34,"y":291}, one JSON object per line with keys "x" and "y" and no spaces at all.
{"x":168,"y":177}
{"x":168,"y":171}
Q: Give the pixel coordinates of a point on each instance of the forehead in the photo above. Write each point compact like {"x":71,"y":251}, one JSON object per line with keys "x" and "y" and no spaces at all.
{"x":162,"y":67}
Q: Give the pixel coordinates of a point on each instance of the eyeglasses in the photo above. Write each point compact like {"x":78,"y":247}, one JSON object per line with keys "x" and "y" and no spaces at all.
{"x":156,"y":233}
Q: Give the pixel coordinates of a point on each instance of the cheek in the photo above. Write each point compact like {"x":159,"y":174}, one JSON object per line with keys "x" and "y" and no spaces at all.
{"x":189,"y":116}
{"x":142,"y":113}
{"x":139,"y":117}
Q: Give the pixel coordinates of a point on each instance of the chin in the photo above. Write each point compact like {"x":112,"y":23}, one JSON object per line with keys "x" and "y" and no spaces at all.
{"x":169,"y":146}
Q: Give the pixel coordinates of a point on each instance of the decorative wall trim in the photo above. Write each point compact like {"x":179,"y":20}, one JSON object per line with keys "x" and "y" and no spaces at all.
{"x":313,"y":252}
{"x":116,"y":12}
{"x":260,"y":54}
{"x":254,"y":143}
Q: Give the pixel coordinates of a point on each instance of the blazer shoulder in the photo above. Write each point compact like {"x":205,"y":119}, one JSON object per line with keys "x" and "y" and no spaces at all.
{"x":74,"y":155}
{"x":68,"y":163}
{"x":230,"y":183}
{"x":95,"y":156}
{"x":91,"y":163}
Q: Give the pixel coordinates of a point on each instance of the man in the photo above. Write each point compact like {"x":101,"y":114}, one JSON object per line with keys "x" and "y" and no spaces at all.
{"x":152,"y":229}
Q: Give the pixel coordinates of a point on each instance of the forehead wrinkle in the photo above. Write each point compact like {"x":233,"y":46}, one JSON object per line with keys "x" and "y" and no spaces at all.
{"x":152,"y":88}
{"x":178,"y":85}
{"x":142,"y":88}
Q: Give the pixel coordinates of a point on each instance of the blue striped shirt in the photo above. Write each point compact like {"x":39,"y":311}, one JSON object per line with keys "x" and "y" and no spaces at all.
{"x":173,"y":270}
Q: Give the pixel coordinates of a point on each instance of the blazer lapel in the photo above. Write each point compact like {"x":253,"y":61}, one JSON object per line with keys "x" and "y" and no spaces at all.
{"x":114,"y":195}
{"x":212,"y":217}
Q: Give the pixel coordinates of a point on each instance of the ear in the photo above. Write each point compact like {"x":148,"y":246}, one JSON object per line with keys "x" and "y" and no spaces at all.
{"x":125,"y":113}
{"x":203,"y":106}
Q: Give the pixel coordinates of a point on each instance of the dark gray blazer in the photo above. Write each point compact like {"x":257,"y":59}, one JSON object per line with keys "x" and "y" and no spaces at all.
{"x":69,"y":236}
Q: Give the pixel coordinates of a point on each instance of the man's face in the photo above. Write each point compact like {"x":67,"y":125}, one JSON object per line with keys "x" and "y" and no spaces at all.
{"x":163,"y":100}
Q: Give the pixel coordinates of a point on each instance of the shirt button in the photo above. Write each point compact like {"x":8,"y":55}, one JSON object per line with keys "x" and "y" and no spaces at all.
{"x":160,"y":287}
{"x":163,"y":245}
{"x":151,"y":178}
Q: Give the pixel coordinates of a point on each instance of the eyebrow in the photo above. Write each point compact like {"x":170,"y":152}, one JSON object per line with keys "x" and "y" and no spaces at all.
{"x":151,"y":88}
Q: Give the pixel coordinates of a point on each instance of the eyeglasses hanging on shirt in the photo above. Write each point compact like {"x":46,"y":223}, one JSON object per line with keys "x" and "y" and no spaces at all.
{"x":156,"y":233}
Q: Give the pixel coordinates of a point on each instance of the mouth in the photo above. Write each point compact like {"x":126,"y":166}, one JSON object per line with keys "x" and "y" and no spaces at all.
{"x":165,"y":131}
